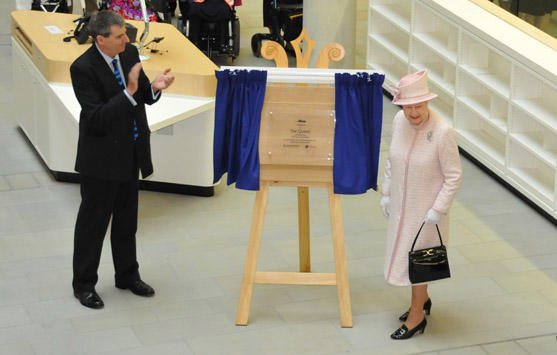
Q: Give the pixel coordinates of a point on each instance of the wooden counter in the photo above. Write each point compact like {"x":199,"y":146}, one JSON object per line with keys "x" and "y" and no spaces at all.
{"x":194,"y":72}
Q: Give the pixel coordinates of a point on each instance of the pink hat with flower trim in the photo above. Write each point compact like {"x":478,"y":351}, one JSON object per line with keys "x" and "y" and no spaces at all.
{"x":412,"y":89}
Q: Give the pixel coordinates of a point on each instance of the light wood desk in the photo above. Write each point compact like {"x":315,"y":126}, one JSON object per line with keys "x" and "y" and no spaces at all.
{"x":48,"y":112}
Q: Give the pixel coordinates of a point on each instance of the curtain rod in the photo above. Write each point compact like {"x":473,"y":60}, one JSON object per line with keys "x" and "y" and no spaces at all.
{"x":301,"y":75}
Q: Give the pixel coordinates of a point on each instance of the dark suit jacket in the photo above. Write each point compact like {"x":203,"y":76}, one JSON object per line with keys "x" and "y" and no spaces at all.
{"x":106,"y":146}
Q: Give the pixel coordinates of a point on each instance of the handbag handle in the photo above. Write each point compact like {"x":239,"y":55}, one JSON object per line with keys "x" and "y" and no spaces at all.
{"x":417,"y":235}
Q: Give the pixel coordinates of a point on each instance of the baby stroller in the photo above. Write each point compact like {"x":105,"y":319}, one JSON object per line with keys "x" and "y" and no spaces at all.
{"x":210,"y":34}
{"x":284,"y":20}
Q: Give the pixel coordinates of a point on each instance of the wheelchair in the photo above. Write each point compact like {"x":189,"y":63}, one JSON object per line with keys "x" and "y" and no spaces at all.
{"x":50,"y":6}
{"x":284,"y":19}
{"x":210,"y":34}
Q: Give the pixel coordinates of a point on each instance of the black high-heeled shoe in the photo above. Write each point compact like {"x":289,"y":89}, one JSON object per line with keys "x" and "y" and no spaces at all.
{"x":404,"y":333}
{"x":427,"y":309}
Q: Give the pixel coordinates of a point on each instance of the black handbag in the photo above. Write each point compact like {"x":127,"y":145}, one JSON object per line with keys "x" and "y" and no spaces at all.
{"x":428,"y":264}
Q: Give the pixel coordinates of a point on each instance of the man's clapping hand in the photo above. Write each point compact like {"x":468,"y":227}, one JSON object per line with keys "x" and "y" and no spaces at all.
{"x":163,"y":80}
{"x":133,"y":77}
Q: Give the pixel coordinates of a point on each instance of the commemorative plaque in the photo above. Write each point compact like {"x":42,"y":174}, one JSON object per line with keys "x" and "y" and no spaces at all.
{"x":295,"y":130}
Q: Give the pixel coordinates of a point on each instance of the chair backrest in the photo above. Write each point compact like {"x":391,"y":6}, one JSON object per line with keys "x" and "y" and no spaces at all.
{"x":159,"y":5}
{"x":50,"y":5}
{"x":274,"y":51}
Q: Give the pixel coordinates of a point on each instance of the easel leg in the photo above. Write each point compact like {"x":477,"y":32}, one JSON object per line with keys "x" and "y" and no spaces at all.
{"x":340,"y":260}
{"x":253,"y":252}
{"x":303,"y":228}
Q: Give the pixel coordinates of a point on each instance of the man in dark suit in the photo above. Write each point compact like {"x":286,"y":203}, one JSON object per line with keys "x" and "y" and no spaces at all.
{"x":112,"y":89}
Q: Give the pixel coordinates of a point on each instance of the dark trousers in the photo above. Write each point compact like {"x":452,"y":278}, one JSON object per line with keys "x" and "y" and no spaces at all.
{"x":102,"y":199}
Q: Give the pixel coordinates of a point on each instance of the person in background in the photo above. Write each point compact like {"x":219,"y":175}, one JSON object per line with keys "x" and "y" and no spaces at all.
{"x":422,"y":176}
{"x":535,"y":12}
{"x":114,"y":144}
{"x":131,"y":10}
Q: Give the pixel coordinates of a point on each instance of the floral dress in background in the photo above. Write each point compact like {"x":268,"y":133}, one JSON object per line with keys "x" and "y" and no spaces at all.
{"x":131,"y":10}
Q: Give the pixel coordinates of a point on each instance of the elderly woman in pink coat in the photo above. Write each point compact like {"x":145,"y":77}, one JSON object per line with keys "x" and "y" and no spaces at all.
{"x":422,"y":176}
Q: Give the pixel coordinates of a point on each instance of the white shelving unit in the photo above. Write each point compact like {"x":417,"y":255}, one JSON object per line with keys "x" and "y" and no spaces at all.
{"x":497,"y":86}
{"x":389,"y":37}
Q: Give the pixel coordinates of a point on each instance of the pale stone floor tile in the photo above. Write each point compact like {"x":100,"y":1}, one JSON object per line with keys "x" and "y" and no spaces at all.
{"x":488,"y":269}
{"x":460,"y":235}
{"x":4,"y":184}
{"x":440,"y":339}
{"x":44,"y":178}
{"x":519,"y":331}
{"x":310,"y":311}
{"x":21,"y":181}
{"x":367,"y":243}
{"x":377,"y":301}
{"x":20,"y":334}
{"x":471,"y":350}
{"x":531,"y":263}
{"x":18,"y":291}
{"x":312,"y":337}
{"x":115,"y":319}
{"x":527,"y":280}
{"x":89,"y":343}
{"x":539,"y":345}
{"x":11,"y":316}
{"x":27,"y":196}
{"x":533,"y":225}
{"x":17,"y":349}
{"x":170,"y":348}
{"x":263,"y":296}
{"x":549,"y":294}
{"x":452,"y":290}
{"x":191,"y":327}
{"x":373,"y":331}
{"x":184,"y":309}
{"x":479,"y":228}
{"x":488,"y":251}
{"x":456,"y":257}
{"x":498,"y":313}
{"x":10,"y":223}
{"x":39,"y":244}
{"x":507,"y":348}
{"x":15,"y":269}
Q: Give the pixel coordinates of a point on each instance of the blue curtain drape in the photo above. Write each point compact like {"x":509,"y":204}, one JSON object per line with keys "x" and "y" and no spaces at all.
{"x":239,"y":101}
{"x":359,"y":111}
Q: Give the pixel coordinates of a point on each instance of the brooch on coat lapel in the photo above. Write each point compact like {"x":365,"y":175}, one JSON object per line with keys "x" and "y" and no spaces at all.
{"x":429,"y":135}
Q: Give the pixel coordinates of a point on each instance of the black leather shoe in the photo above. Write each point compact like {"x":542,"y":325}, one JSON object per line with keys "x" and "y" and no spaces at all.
{"x":427,"y":309}
{"x":139,"y":288}
{"x":404,"y":333}
{"x":89,"y":299}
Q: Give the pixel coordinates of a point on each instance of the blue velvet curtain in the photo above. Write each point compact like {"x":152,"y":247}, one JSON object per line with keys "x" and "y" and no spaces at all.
{"x":239,"y":101}
{"x":359,"y":111}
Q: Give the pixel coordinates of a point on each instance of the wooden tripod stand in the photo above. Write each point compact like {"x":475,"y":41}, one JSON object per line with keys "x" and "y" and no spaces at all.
{"x":295,"y":145}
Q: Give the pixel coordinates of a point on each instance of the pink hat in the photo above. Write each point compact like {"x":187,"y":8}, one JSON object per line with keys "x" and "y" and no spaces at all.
{"x":411,"y":89}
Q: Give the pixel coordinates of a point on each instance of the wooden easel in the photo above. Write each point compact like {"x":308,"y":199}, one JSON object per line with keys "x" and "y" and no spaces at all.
{"x":296,"y":149}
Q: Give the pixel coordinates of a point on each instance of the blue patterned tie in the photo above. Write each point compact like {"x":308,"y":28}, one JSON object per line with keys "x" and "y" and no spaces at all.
{"x":118,"y":76}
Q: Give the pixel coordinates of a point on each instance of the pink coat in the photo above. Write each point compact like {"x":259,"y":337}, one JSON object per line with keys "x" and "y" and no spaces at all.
{"x":423,"y":171}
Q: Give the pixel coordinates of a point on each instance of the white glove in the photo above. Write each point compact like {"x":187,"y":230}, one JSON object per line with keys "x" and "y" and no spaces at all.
{"x":386,"y":205}
{"x":432,"y":217}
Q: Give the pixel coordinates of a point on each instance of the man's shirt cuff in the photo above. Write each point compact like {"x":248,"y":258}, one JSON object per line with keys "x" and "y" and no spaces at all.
{"x":132,"y":100}
{"x":155,"y":94}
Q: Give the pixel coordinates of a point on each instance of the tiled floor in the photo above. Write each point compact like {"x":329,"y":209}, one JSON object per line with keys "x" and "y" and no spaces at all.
{"x":502,"y":298}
